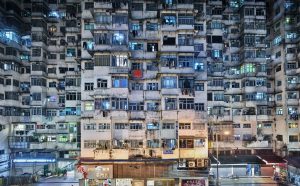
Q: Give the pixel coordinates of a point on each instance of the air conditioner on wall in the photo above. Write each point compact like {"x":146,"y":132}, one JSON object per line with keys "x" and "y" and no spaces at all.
{"x":200,"y":163}
{"x":182,"y":164}
{"x":192,"y":164}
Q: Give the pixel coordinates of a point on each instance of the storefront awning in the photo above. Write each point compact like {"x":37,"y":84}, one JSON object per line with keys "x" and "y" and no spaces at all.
{"x":241,"y":159}
{"x":293,"y":161}
{"x":270,"y":159}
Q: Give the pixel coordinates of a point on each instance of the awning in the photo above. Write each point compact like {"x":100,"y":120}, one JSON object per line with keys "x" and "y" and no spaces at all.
{"x":271,"y":159}
{"x":241,"y":159}
{"x":293,"y":161}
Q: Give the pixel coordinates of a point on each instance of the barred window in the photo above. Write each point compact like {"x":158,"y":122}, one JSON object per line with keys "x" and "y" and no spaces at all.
{"x":102,"y":60}
{"x":136,"y":106}
{"x":136,"y":126}
{"x":104,"y":126}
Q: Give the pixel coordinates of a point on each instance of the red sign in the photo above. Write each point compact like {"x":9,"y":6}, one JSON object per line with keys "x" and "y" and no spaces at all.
{"x":193,"y":182}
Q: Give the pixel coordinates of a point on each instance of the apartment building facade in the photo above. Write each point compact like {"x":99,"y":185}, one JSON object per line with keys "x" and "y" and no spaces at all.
{"x":143,"y":89}
{"x":41,"y":85}
{"x":283,"y":57}
{"x":120,"y":84}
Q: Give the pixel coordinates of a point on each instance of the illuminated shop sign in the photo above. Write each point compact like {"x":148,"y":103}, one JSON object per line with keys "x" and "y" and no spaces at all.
{"x":37,"y":160}
{"x":194,"y":182}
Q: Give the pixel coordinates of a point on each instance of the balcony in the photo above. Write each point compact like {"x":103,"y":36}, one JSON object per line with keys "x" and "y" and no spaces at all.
{"x":258,"y":144}
{"x":53,"y":145}
{"x":86,"y":14}
{"x":293,"y":145}
{"x":118,"y":70}
{"x":144,"y":15}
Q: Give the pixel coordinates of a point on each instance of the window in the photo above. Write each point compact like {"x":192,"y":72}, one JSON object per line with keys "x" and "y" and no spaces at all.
{"x":185,"y":40}
{"x":102,"y":60}
{"x":236,"y":125}
{"x":151,"y":26}
{"x":151,"y":7}
{"x":89,"y":66}
{"x":89,"y":106}
{"x":89,"y":144}
{"x":135,"y":126}
{"x":152,"y":47}
{"x":186,"y":143}
{"x":184,"y":126}
{"x":119,"y":104}
{"x":170,"y":104}
{"x":293,"y":138}
{"x":102,"y":18}
{"x":152,"y":86}
{"x":102,"y":103}
{"x":104,"y":126}
{"x":119,"y":38}
{"x":199,"y":27}
{"x":137,"y":86}
{"x":169,"y":82}
{"x":169,"y":40}
{"x":168,"y":126}
{"x":120,"y":125}
{"x":36,"y":96}
{"x":71,"y":96}
{"x":186,"y":103}
{"x":136,"y":106}
{"x":185,"y":61}
{"x":137,"y":6}
{"x":36,"y":52}
{"x":169,"y":19}
{"x":101,"y":83}
{"x":279,"y":111}
{"x":249,"y":11}
{"x":199,"y":143}
{"x":119,"y":82}
{"x":88,"y":86}
{"x":71,"y":52}
{"x":185,"y":19}
{"x":199,"y":86}
{"x":153,"y":106}
{"x":199,"y":106}
{"x":247,"y":125}
{"x":119,"y":61}
{"x":293,"y":125}
{"x":136,"y":46}
{"x":91,"y":126}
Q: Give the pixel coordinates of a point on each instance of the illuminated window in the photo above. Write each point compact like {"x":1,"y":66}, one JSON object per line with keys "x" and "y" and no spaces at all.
{"x":88,"y":106}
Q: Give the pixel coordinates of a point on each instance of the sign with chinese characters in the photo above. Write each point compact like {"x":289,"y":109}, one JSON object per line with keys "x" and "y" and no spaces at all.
{"x":194,"y":182}
{"x":168,"y":151}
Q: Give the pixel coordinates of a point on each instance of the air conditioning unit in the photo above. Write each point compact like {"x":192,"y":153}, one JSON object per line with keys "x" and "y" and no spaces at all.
{"x":192,"y":164}
{"x":206,"y":162}
{"x":200,"y":162}
{"x":182,"y":164}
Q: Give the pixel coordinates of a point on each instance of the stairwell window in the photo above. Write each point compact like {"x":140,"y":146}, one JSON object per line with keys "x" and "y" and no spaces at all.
{"x":89,"y":86}
{"x":101,"y":83}
{"x":170,"y":104}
